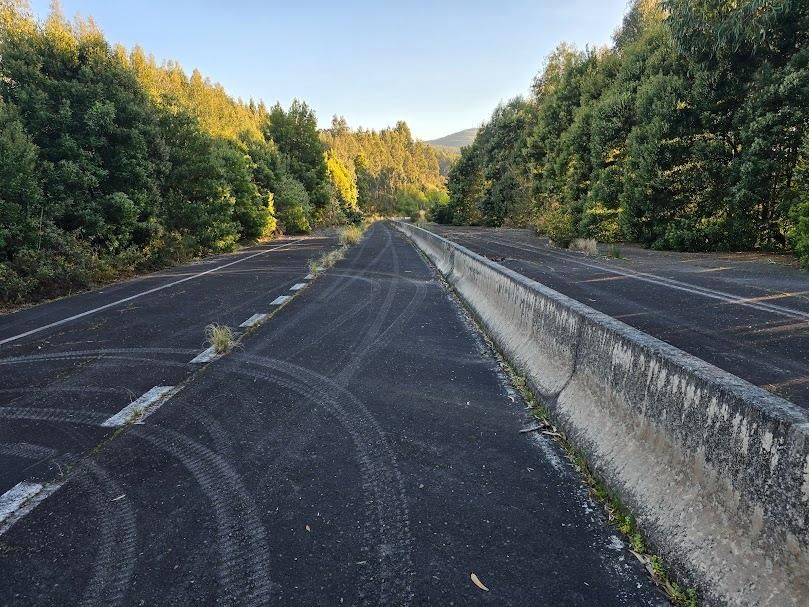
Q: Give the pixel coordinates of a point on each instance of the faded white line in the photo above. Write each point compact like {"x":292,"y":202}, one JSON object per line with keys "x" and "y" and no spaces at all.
{"x":15,"y":497}
{"x":297,"y":286}
{"x":141,"y":406}
{"x":254,"y":320}
{"x":671,"y":283}
{"x":280,"y":300}
{"x":141,"y":294}
{"x":205,"y":356}
{"x":21,"y":499}
{"x":309,"y":277}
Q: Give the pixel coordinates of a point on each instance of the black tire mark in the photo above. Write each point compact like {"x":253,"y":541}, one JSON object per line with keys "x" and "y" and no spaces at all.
{"x":389,"y":579}
{"x":116,"y":553}
{"x":242,"y":547}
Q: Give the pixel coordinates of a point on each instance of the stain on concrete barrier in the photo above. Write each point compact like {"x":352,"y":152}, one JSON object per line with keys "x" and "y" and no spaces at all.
{"x":716,"y":470}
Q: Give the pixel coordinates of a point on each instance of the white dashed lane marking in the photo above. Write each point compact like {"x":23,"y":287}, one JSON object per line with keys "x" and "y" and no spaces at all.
{"x":21,"y":499}
{"x":141,"y":294}
{"x":280,"y":300}
{"x":205,"y":356}
{"x":298,"y":286}
{"x":143,"y":405}
{"x":253,"y":320}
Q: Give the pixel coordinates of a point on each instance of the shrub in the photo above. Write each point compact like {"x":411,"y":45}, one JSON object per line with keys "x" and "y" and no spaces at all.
{"x":294,"y":220}
{"x":601,"y":223}
{"x":799,"y":234}
{"x":557,"y":225}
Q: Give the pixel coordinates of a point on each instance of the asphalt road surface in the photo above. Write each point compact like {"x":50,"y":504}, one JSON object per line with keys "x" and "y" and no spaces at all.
{"x":745,"y":313}
{"x":360,"y":447}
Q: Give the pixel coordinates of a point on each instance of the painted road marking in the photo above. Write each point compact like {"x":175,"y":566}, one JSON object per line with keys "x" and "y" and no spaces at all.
{"x":280,"y":300}
{"x":21,"y":499}
{"x":141,"y":294}
{"x":671,"y":283}
{"x":15,"y":497}
{"x":309,"y":277}
{"x":143,"y":406}
{"x":205,"y":356}
{"x":297,"y":286}
{"x":254,"y":320}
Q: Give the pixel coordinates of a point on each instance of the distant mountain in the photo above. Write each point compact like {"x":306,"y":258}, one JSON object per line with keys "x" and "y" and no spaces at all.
{"x":455,"y":141}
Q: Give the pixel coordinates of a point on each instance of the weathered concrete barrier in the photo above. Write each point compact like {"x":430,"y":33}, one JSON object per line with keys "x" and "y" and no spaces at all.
{"x":715,"y":470}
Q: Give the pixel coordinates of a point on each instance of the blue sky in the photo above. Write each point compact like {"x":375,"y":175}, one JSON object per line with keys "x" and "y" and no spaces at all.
{"x":442,"y":66}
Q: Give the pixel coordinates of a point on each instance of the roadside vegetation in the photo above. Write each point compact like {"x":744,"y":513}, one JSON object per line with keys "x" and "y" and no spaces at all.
{"x":688,"y":133}
{"x":348,"y":237}
{"x":112,"y":164}
{"x":220,"y":338}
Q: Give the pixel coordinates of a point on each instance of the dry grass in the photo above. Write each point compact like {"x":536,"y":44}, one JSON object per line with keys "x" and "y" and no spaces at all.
{"x":220,"y":337}
{"x":588,"y":246}
{"x":351,"y":235}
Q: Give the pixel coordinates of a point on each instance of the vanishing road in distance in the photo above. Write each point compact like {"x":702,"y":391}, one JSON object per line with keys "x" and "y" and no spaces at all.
{"x":360,"y":446}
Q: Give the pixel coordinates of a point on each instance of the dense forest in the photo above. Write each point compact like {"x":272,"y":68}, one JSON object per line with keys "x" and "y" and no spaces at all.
{"x":387,"y":171}
{"x":111,"y":163}
{"x":689,"y":132}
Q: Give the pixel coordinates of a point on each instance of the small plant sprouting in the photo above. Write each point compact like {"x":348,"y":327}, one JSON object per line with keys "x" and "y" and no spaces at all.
{"x":350,"y":235}
{"x":220,"y":337}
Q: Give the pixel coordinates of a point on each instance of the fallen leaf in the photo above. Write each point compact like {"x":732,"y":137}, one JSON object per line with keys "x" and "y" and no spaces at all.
{"x":476,"y":581}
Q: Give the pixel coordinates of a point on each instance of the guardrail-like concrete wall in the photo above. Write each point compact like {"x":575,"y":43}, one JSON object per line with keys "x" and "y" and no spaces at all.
{"x":715,"y":470}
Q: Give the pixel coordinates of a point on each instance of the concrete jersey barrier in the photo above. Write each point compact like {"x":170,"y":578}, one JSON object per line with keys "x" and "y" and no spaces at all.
{"x":715,"y":470}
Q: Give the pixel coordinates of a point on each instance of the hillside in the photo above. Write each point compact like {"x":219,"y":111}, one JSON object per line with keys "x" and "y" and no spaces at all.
{"x":456,"y":140}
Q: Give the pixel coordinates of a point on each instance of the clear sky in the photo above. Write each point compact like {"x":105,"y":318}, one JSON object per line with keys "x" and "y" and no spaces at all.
{"x":441,"y":65}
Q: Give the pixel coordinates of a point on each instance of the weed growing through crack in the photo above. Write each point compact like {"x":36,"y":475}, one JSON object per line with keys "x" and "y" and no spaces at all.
{"x":351,"y":235}
{"x":220,"y":337}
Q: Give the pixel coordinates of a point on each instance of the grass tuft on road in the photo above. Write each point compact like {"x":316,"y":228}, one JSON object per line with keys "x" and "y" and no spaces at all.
{"x":220,"y":337}
{"x":349,"y":236}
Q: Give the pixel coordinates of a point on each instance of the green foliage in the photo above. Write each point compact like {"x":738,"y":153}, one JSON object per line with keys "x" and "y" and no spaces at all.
{"x":111,"y":163}
{"x":384,"y":172}
{"x":295,"y":133}
{"x":556,"y":224}
{"x":294,"y":209}
{"x":688,"y":133}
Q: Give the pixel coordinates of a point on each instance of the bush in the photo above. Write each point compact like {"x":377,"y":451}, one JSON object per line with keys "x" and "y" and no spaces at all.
{"x":294,"y":220}
{"x":799,"y":234}
{"x":601,"y":223}
{"x":557,"y":225}
{"x":331,"y":215}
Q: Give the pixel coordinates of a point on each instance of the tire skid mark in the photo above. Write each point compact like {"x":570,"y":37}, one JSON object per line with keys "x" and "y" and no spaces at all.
{"x":243,"y":553}
{"x":388,"y":527}
{"x":27,"y":451}
{"x":53,"y":415}
{"x":314,"y":338}
{"x":334,"y":287}
{"x":370,"y":330}
{"x":104,"y":353}
{"x":116,"y":553}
